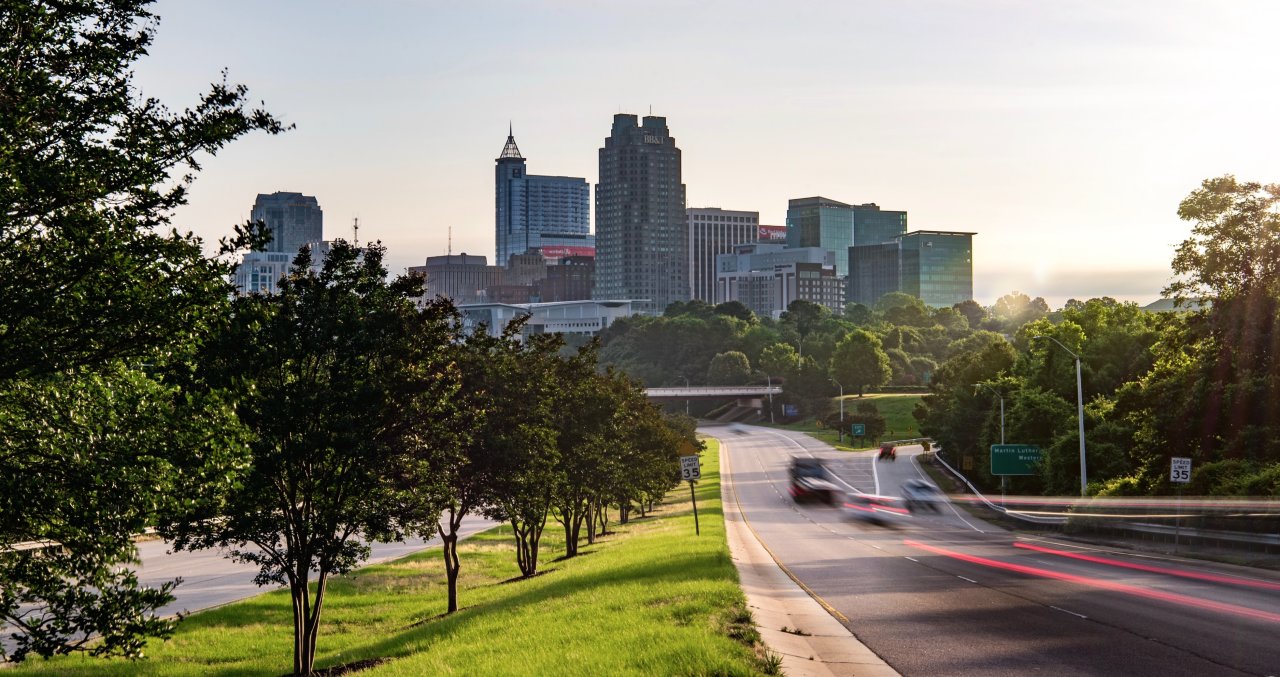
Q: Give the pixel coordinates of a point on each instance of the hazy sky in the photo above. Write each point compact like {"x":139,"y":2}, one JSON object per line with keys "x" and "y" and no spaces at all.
{"x":1063,"y":133}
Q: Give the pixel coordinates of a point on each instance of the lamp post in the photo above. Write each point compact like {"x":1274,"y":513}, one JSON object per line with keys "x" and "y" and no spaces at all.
{"x":841,"y":409}
{"x":686,"y":398}
{"x":983,"y":385}
{"x":1079,"y":410}
{"x":769,"y":379}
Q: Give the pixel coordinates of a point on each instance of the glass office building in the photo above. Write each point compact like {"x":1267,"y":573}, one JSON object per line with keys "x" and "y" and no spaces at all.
{"x":533,"y":211}
{"x":714,"y":231}
{"x":836,"y":226}
{"x":933,"y":266}
{"x":642,"y":246}
{"x":294,"y":219}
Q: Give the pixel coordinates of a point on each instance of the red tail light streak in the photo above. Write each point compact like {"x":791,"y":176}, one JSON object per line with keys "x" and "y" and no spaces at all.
{"x":1170,"y":597}
{"x":1169,"y":571}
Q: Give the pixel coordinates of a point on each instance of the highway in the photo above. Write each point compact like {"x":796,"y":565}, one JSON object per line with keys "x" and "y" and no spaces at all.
{"x":950,"y":594}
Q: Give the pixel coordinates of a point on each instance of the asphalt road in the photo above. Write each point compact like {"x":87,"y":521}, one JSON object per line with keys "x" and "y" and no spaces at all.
{"x":949,"y":594}
{"x":210,"y":579}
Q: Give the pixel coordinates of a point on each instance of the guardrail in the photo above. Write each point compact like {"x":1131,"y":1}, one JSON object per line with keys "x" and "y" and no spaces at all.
{"x":1034,"y":519}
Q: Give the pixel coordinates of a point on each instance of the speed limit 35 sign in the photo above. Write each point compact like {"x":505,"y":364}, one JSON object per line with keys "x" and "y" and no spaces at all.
{"x":690,"y":469}
{"x":1180,"y":470}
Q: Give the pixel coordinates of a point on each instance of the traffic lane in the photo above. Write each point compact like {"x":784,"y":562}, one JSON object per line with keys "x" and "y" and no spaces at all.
{"x":872,"y":581}
{"x":210,"y":579}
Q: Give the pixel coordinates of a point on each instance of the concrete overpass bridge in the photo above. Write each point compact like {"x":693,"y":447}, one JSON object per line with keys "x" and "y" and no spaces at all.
{"x":711,"y":392}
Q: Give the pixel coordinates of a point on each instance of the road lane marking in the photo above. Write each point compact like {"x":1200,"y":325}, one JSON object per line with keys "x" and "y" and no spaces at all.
{"x":915,"y":459}
{"x":966,"y":579}
{"x":727,"y":472}
{"x":1069,"y":612}
{"x":914,"y":560}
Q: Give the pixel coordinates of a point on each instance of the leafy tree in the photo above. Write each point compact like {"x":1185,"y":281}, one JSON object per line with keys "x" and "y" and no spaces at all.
{"x":528,"y":469}
{"x":729,"y":369}
{"x":1234,"y":246}
{"x":92,"y":287}
{"x":1017,"y":309}
{"x":736,"y":309}
{"x":805,"y":316}
{"x":972,"y":312}
{"x":860,"y":361}
{"x":339,"y":388}
{"x":779,"y":359}
{"x":903,"y":309}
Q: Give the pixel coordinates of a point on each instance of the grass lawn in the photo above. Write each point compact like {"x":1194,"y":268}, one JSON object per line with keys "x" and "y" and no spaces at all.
{"x":649,"y":599}
{"x":894,"y":407}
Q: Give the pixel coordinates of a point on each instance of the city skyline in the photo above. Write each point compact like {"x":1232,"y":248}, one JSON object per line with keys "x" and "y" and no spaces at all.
{"x":1064,"y":135}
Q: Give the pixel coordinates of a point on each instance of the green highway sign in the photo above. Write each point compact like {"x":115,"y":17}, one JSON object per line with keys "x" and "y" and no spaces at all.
{"x":1014,"y":459}
{"x":859,"y":429}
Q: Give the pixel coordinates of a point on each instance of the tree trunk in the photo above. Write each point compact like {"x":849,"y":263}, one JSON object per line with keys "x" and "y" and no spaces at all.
{"x":624,"y":512}
{"x":449,"y":541}
{"x":604,"y":519}
{"x":591,"y":522}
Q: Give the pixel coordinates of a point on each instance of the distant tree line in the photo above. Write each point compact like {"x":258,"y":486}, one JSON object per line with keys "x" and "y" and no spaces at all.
{"x":290,"y":430}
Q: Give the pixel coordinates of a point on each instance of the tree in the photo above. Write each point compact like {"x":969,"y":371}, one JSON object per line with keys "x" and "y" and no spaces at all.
{"x":805,"y":316}
{"x":92,"y":288}
{"x":736,"y":309}
{"x":860,"y":361}
{"x":1234,"y":246}
{"x":729,"y":369}
{"x":903,"y":309}
{"x":528,"y":465}
{"x":340,"y":383}
{"x":973,"y":312}
{"x":779,"y":359}
{"x":1017,"y":309}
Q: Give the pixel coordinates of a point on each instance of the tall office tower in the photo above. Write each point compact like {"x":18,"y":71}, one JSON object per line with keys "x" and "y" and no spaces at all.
{"x":836,"y":226}
{"x":714,"y":231}
{"x":293,"y":218}
{"x":642,"y":250}
{"x":933,"y":266}
{"x":535,"y":211}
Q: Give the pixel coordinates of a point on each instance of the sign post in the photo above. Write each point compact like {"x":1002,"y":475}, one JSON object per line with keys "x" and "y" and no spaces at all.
{"x":1179,"y":474}
{"x":691,"y":470}
{"x":858,"y":429}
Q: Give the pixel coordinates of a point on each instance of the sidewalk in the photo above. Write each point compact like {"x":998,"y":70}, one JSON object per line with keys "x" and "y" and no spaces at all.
{"x":777,"y":601}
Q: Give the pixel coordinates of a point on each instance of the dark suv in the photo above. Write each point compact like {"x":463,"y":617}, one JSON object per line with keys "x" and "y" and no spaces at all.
{"x":809,"y":482}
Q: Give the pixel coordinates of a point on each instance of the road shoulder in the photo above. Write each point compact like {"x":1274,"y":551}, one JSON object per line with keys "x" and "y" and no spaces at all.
{"x":776,"y":602}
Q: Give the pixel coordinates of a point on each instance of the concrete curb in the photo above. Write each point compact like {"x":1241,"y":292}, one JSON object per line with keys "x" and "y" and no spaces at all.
{"x":778,"y":601}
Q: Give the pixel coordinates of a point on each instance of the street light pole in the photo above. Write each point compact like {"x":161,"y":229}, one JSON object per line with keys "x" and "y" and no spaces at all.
{"x":841,"y":409}
{"x":770,"y":382}
{"x":983,"y":385}
{"x":686,"y":399}
{"x":1079,"y":411}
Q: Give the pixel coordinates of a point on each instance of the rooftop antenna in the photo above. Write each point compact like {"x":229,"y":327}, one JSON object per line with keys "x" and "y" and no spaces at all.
{"x":355,"y":230}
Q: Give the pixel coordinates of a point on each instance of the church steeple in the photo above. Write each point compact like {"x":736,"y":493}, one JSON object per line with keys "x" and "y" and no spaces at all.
{"x":511,"y":150}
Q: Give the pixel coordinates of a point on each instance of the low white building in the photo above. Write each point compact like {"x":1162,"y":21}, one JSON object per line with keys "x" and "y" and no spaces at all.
{"x":587,"y":318}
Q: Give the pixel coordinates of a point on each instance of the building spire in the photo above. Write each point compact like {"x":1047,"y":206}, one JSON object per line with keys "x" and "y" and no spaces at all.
{"x":511,"y":150}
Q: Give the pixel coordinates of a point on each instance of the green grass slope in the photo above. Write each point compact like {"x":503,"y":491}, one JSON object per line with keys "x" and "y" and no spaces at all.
{"x":651,"y":598}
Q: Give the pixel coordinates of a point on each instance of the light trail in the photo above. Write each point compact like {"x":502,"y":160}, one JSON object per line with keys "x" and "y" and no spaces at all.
{"x":1215,"y":578}
{"x":1171,"y":597}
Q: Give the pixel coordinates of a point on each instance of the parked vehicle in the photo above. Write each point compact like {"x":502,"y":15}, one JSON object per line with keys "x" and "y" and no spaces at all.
{"x":888,"y":452}
{"x":810,"y":483}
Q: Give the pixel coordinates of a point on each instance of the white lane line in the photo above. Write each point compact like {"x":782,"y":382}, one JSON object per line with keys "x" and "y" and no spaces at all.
{"x":1069,"y":612}
{"x":966,"y":579}
{"x":915,"y":460}
{"x":914,"y":560}
{"x":875,"y":470}
{"x":837,"y":477}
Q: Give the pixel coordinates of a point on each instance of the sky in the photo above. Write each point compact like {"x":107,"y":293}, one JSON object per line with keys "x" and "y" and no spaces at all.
{"x":1063,"y":133}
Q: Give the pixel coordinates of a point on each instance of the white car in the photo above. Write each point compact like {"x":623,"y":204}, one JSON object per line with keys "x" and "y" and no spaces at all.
{"x":921,"y":495}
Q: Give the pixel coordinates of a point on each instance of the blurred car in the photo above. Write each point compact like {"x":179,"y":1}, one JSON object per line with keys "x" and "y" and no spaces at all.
{"x":809,"y":482}
{"x":920,"y":495}
{"x":887,"y":452}
{"x":863,"y":507}
{"x":737,"y":428}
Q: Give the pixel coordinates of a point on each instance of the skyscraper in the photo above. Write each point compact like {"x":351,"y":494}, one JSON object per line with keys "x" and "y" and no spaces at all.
{"x":537,"y":211}
{"x":714,"y":231}
{"x":933,"y":266}
{"x":294,"y":219}
{"x":642,"y":249}
{"x":836,"y":226}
